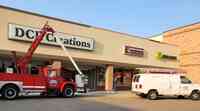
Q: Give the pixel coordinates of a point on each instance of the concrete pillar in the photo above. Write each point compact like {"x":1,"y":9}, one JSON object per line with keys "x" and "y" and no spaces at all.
{"x":109,"y":78}
{"x":57,"y":65}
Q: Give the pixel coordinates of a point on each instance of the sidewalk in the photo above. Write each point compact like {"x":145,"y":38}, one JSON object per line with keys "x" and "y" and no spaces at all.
{"x":104,"y":93}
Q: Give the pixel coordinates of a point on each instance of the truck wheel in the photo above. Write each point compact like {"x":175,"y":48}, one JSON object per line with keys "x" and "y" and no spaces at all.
{"x":152,"y":95}
{"x":195,"y":95}
{"x":68,"y":92}
{"x":9,"y":92}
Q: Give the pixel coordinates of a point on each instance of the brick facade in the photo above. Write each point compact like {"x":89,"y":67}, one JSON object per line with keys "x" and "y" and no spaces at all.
{"x":187,"y":38}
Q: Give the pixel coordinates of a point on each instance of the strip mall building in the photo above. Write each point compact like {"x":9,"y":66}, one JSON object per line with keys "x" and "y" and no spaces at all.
{"x":99,"y":52}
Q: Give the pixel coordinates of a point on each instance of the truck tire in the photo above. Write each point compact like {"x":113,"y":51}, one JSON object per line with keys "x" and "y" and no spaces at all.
{"x":195,"y":95}
{"x":152,"y":95}
{"x":68,"y":92}
{"x":10,"y":92}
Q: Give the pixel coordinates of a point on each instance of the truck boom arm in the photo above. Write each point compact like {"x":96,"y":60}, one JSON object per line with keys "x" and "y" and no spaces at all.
{"x":22,"y":62}
{"x":70,"y":57}
{"x":80,"y":78}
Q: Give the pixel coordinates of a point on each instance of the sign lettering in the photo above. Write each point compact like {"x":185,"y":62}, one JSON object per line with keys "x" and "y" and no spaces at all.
{"x":133,"y":51}
{"x":18,"y":32}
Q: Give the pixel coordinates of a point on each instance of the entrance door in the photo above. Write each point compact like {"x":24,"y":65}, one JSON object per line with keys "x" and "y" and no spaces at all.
{"x":91,"y":79}
{"x":122,"y":80}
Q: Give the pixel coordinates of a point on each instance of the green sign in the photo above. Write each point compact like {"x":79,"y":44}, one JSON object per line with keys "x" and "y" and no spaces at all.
{"x":161,"y":56}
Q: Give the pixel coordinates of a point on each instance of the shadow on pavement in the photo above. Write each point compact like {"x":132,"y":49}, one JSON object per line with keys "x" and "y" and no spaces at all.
{"x":100,"y":106}
{"x":59,"y":104}
{"x":49,"y":97}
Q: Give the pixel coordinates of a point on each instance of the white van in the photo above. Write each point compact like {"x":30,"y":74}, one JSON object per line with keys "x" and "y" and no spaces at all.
{"x":153,"y":85}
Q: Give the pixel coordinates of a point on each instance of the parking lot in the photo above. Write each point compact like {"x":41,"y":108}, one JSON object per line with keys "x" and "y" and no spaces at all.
{"x":119,"y":101}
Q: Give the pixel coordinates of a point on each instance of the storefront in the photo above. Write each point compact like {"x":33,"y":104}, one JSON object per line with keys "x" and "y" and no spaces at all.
{"x":99,"y":52}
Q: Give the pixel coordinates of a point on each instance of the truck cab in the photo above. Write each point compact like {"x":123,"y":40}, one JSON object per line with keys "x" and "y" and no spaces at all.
{"x":59,"y":84}
{"x":154,"y":85}
{"x":47,"y":82}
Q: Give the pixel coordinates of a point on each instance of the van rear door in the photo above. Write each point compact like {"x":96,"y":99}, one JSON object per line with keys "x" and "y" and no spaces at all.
{"x":135,"y":82}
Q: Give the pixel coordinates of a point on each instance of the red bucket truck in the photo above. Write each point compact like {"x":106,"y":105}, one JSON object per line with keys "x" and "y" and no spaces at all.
{"x":47,"y":82}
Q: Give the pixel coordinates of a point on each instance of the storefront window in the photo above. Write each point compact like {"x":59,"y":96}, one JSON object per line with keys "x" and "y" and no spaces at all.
{"x":123,"y":78}
{"x":100,"y":78}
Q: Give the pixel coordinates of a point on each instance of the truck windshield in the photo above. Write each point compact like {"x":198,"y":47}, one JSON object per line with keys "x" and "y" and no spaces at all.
{"x":185,"y":80}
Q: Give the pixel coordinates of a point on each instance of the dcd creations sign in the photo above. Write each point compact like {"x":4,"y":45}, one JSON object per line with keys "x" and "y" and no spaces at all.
{"x":23,"y":33}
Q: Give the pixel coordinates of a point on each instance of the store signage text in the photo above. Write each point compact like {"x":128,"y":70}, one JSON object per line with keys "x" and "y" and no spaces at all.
{"x":18,"y":32}
{"x":133,"y":51}
{"x":162,"y":56}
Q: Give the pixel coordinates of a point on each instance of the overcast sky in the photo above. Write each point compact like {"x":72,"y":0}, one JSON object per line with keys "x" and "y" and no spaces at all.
{"x":137,"y":17}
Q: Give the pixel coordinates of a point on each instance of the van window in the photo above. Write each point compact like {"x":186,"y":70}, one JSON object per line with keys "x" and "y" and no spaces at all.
{"x":136,"y":78}
{"x":185,"y":80}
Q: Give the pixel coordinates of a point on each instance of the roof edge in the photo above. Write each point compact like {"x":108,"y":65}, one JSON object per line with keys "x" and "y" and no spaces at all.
{"x":183,"y":26}
{"x":80,"y":24}
{"x":45,"y":16}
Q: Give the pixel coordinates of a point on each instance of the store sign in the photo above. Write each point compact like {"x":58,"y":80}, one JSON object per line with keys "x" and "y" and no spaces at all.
{"x":161,"y":56}
{"x":133,"y":51}
{"x":24,"y":33}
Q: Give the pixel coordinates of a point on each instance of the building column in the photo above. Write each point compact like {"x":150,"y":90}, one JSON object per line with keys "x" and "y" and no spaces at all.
{"x":57,"y":65}
{"x":109,"y":78}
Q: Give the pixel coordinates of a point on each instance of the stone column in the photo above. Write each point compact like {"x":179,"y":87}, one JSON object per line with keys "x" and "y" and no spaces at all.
{"x":109,"y":78}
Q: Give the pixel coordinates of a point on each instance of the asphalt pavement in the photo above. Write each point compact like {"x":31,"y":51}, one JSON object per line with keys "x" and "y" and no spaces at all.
{"x":99,"y":101}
